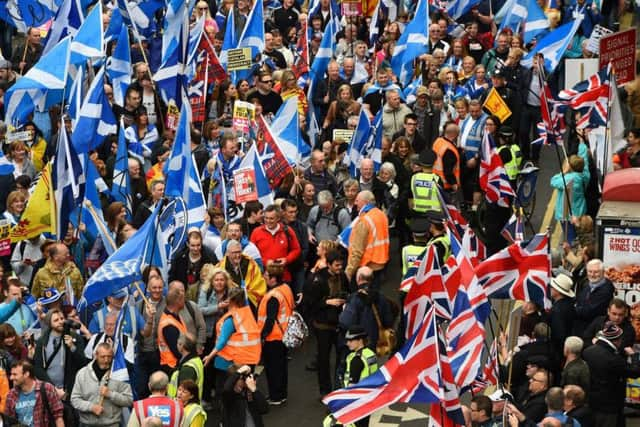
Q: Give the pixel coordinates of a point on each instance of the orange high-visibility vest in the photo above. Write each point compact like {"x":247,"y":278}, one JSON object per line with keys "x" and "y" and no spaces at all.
{"x":243,"y":347}
{"x":440,"y":147}
{"x":377,"y":248}
{"x":166,"y":355}
{"x":285,"y":307}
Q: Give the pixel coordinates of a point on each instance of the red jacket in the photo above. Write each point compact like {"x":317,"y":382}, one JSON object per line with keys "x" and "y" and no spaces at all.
{"x":278,"y":245}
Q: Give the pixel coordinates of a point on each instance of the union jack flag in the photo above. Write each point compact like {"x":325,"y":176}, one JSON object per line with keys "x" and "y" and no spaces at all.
{"x":471,"y":243}
{"x":276,"y":166}
{"x":552,"y":112}
{"x":453,"y":217}
{"x":591,"y":98}
{"x":448,"y":413}
{"x":513,"y":230}
{"x":521,"y":271}
{"x":493,"y":178}
{"x":470,"y":310}
{"x":427,"y":290}
{"x":490,"y":373}
{"x":412,"y":375}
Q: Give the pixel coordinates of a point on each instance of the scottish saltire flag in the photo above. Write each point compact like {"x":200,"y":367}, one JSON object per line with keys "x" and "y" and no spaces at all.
{"x":553,"y":45}
{"x":525,"y":14}
{"x":170,"y":78}
{"x":6,"y":167}
{"x":252,"y":160}
{"x":521,"y":271}
{"x":591,"y":98}
{"x":67,"y":21}
{"x":10,"y":13}
{"x":374,"y":26}
{"x":123,"y":267}
{"x":88,"y":43}
{"x":68,"y":182}
{"x":493,"y":177}
{"x":413,"y":374}
{"x":285,"y":128}
{"x":252,"y":36}
{"x":91,"y":215}
{"x":119,"y":370}
{"x":46,"y":79}
{"x":120,"y":186}
{"x":230,"y":39}
{"x":373,"y":149}
{"x":119,"y":67}
{"x":115,"y":26}
{"x":95,"y":119}
{"x":470,"y":310}
{"x":358,"y":141}
{"x":513,"y":230}
{"x":504,"y":10}
{"x":75,"y":96}
{"x":324,"y":54}
{"x":181,"y":173}
{"x":457,"y":8}
{"x":23,"y":14}
{"x":413,"y":42}
{"x":142,"y":13}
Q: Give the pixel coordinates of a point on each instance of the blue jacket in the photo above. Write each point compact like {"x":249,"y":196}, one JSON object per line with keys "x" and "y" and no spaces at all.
{"x":577,"y":183}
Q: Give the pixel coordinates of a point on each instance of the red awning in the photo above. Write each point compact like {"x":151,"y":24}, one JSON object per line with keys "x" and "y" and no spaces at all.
{"x":622,"y":186}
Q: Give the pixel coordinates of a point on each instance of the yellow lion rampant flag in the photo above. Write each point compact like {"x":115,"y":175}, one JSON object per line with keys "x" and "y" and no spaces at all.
{"x":36,"y":218}
{"x":496,"y":105}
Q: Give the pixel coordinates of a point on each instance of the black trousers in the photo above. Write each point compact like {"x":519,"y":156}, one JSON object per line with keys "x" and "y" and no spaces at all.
{"x":529,"y":119}
{"x":147,"y":362}
{"x":274,"y":356}
{"x":325,"y":340}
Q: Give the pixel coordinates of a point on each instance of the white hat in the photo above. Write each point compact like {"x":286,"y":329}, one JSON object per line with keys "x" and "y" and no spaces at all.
{"x":563,"y":284}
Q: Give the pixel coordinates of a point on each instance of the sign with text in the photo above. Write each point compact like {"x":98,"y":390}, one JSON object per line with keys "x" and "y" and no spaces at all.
{"x":244,"y":183}
{"x":5,"y":237}
{"x":344,"y":135}
{"x":621,"y":257}
{"x":239,"y":59}
{"x":173,"y":115}
{"x":593,"y":45}
{"x":620,"y":50}
{"x":352,"y":8}
{"x":244,"y":113}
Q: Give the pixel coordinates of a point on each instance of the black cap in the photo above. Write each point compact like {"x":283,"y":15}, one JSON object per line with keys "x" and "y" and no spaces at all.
{"x":506,"y":131}
{"x":497,"y":73}
{"x":420,"y":225}
{"x":539,"y":361}
{"x":355,"y":332}
{"x":427,"y":158}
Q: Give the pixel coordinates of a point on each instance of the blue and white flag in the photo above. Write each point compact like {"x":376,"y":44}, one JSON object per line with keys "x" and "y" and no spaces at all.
{"x":252,"y":160}
{"x":91,"y":215}
{"x":10,"y":13}
{"x":285,"y":127}
{"x":252,"y":36}
{"x":170,"y":77}
{"x":529,"y":14}
{"x":142,"y":15}
{"x":6,"y":167}
{"x":76,"y":95}
{"x":68,"y":20}
{"x":457,"y":8}
{"x":181,"y":173}
{"x":358,"y":142}
{"x":230,"y":39}
{"x":115,"y":26}
{"x":123,"y":267}
{"x":96,"y":119}
{"x":88,"y":42}
{"x":119,"y":67}
{"x":68,"y":182}
{"x":47,"y":78}
{"x":120,"y":187}
{"x":119,"y":370}
{"x":23,"y":14}
{"x":373,"y":149}
{"x":413,"y":42}
{"x":324,"y":54}
{"x":553,"y":45}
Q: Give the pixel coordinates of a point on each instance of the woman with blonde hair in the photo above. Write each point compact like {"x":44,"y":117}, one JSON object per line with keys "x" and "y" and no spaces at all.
{"x":289,"y":89}
{"x":340,"y":109}
{"x":213,"y":302}
{"x":19,"y":156}
{"x":324,"y":247}
{"x":15,"y":206}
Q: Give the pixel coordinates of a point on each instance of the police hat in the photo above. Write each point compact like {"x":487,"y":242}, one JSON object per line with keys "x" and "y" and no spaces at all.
{"x":427,"y":158}
{"x":498,"y":73}
{"x":506,"y":131}
{"x":420,"y":225}
{"x":355,"y":332}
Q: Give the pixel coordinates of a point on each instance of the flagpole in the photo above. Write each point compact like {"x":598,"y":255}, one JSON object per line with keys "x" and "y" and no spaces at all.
{"x":607,"y":134}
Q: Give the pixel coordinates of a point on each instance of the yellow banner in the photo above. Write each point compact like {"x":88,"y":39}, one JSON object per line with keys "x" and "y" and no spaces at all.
{"x":36,"y":218}
{"x":496,"y":105}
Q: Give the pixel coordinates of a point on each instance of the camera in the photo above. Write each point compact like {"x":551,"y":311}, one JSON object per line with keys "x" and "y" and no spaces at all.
{"x":69,"y":325}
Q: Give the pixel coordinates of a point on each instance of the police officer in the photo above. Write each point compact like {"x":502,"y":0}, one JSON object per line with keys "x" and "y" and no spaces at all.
{"x":359,"y":364}
{"x":439,"y":238}
{"x":424,"y":186}
{"x":509,"y":153}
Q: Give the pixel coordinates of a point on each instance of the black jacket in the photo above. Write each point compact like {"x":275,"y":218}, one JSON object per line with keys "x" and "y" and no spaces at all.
{"x":418,"y":144}
{"x":590,"y":305}
{"x":609,"y":373}
{"x":317,"y":291}
{"x":540,"y":347}
{"x":73,"y":361}
{"x":561,"y":322}
{"x":534,"y":407}
{"x":180,"y":264}
{"x":628,"y":333}
{"x":584,"y":415}
{"x":236,"y":405}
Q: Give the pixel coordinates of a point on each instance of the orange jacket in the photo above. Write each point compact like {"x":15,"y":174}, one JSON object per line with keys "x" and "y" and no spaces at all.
{"x":285,"y":307}
{"x":243,"y":347}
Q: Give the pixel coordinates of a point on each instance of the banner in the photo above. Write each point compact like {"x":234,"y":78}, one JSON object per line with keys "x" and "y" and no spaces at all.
{"x":244,"y":184}
{"x":619,"y":49}
{"x":239,"y":59}
{"x":496,"y":105}
{"x":344,"y":135}
{"x":621,"y":258}
{"x":244,"y":113}
{"x":36,"y":218}
{"x":173,"y":116}
{"x":5,"y":237}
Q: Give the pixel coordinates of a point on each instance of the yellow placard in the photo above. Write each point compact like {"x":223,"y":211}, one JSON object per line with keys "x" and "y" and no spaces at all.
{"x":239,"y":59}
{"x":496,"y":105}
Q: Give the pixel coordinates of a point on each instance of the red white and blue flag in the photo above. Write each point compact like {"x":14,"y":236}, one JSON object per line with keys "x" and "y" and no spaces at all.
{"x":493,"y":177}
{"x":591,"y":98}
{"x":513,"y":230}
{"x":475,"y":248}
{"x":490,"y":373}
{"x":414,"y":374}
{"x":521,"y":271}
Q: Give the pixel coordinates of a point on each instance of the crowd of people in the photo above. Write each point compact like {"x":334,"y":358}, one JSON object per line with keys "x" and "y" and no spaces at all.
{"x":196,"y":336}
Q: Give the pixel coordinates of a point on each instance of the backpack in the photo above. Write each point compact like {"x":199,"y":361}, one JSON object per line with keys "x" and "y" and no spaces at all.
{"x":336,"y":214}
{"x":296,"y":331}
